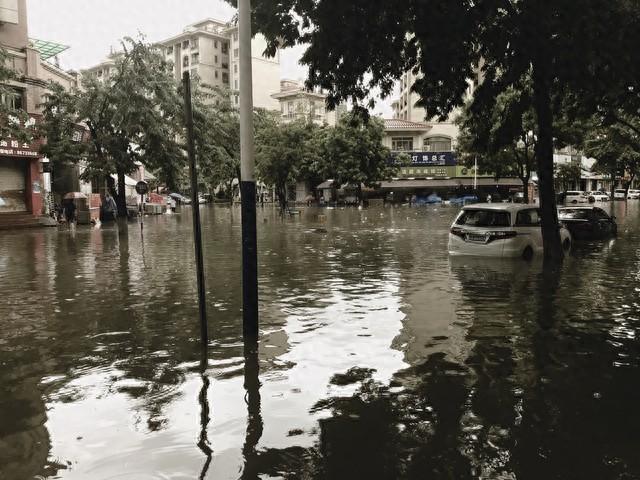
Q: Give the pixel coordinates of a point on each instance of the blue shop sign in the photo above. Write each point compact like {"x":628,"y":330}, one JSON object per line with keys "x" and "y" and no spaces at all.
{"x":433,"y":158}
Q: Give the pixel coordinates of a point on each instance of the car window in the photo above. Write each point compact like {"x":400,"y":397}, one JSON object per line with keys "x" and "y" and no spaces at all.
{"x":528,"y":218}
{"x":484,"y":218}
{"x":574,"y":214}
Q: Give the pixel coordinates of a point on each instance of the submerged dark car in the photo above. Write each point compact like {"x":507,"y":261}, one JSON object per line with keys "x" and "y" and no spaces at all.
{"x":588,"y":223}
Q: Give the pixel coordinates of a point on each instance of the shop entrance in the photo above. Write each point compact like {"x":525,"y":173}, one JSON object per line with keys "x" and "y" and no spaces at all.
{"x":13,"y":185}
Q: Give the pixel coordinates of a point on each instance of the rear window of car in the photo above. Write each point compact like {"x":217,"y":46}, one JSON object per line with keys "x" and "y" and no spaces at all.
{"x":620,"y":191}
{"x":574,"y":214}
{"x":574,"y":193}
{"x":484,"y":218}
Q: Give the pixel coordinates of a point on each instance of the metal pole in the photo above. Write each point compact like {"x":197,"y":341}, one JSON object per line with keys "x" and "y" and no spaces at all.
{"x":197,"y":233}
{"x":475,"y":174}
{"x":247,"y":178}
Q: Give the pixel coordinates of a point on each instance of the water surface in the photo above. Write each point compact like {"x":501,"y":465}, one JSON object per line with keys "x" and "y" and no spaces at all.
{"x":380,"y":357}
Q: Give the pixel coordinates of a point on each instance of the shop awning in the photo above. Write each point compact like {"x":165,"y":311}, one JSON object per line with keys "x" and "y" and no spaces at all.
{"x":450,"y":183}
{"x":47,"y":49}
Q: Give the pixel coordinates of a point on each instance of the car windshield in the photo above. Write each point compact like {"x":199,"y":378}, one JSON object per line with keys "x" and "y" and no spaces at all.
{"x":574,"y":213}
{"x":484,"y":218}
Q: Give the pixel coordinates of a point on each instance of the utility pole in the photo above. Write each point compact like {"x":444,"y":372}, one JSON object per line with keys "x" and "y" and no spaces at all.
{"x":195,"y":204}
{"x":247,"y":178}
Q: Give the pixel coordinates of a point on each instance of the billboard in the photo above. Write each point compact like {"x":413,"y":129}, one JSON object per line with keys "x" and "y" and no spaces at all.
{"x":430,"y":158}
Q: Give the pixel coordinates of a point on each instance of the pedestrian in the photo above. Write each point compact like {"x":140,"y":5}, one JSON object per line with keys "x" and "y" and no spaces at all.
{"x":111,"y":208}
{"x":70,"y":212}
{"x":489,"y":198}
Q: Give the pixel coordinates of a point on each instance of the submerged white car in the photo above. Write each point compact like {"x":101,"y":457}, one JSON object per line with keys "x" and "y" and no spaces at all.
{"x":598,"y":197}
{"x":619,"y":194}
{"x":500,"y":230}
{"x":633,"y":194}
{"x":575,"y":196}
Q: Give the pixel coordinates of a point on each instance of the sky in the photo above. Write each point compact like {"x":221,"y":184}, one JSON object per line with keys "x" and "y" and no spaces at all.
{"x":92,"y":27}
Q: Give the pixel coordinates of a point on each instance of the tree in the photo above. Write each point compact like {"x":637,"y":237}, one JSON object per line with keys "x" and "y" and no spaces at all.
{"x":616,"y":149}
{"x":14,"y":120}
{"x":281,"y":152}
{"x":568,"y":174}
{"x":502,"y":140}
{"x":358,"y":45}
{"x":133,"y":115}
{"x":354,"y":153}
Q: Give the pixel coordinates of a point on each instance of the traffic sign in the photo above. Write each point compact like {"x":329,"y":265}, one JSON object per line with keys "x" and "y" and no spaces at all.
{"x":142,"y":187}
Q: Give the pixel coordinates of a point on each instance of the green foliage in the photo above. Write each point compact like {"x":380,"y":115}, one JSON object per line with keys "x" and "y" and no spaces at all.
{"x":616,"y":148}
{"x":283,"y":152}
{"x":567,"y":174}
{"x":13,"y":122}
{"x":354,"y":153}
{"x":62,"y":136}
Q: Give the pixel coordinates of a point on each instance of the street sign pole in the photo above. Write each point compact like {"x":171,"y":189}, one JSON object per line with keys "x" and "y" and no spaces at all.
{"x":197,"y":232}
{"x":141,"y":187}
{"x":247,"y":178}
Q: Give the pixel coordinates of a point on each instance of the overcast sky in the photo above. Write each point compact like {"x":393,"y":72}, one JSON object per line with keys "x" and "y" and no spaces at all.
{"x":91,"y":27}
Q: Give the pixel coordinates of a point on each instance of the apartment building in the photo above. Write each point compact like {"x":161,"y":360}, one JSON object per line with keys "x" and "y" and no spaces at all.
{"x":210,"y":50}
{"x":298,"y":102}
{"x":22,"y":183}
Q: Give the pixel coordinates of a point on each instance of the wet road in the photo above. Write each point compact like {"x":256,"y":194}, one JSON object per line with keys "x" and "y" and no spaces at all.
{"x":380,"y":357}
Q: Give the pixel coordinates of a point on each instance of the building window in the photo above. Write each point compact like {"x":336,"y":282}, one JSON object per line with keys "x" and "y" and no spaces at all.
{"x":225,"y":78}
{"x":402,"y":144}
{"x":235,"y":36}
{"x":215,"y":59}
{"x":185,"y":44}
{"x":235,"y":53}
{"x":169,"y":50}
{"x":12,"y":99}
{"x":225,"y":47}
{"x":99,"y":73}
{"x":235,"y":84}
{"x":437,"y":144}
{"x":195,"y":58}
{"x":224,"y":65}
{"x":237,"y":99}
{"x":290,"y":107}
{"x":185,"y":61}
{"x":235,"y":68}
{"x":215,"y":44}
{"x":194,"y":44}
{"x":216,"y":73}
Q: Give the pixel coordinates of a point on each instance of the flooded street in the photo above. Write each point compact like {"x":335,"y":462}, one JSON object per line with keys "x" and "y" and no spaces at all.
{"x":380,"y":357}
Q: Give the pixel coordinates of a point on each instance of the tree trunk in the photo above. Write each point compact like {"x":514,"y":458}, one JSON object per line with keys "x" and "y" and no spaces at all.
{"x":121,"y":198}
{"x":525,"y":188}
{"x":544,"y":156}
{"x":359,"y":193}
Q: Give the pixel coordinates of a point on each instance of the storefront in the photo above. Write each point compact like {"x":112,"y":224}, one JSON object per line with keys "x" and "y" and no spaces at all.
{"x":20,"y":179}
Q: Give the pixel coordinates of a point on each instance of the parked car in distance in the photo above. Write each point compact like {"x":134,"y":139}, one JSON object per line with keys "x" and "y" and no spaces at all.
{"x":598,"y":197}
{"x":463,"y":200}
{"x":575,"y":196}
{"x":619,"y":194}
{"x":587,"y":223}
{"x":500,"y":230}
{"x":633,"y":195}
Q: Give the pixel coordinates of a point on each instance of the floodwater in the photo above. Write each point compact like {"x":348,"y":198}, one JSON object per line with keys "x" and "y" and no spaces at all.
{"x":380,"y":357}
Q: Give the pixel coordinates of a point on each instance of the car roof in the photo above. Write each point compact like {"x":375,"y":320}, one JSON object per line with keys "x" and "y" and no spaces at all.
{"x":508,"y":207}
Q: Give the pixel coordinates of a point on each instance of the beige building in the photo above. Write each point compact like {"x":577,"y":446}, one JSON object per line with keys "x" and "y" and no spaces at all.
{"x":298,"y":102}
{"x":210,"y":50}
{"x":22,"y":183}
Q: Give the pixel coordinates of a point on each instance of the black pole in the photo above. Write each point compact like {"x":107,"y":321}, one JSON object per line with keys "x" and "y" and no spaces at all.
{"x":197,"y":232}
{"x":247,"y":178}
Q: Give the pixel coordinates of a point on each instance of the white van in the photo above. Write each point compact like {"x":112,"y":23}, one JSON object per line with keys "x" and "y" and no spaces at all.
{"x":575,"y":196}
{"x":619,"y":194}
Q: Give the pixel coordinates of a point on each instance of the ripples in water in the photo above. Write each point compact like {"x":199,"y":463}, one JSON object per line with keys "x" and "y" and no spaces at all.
{"x":380,"y":356}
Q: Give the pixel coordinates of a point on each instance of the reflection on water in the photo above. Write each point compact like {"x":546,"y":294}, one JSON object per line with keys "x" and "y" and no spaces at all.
{"x":379,"y":357}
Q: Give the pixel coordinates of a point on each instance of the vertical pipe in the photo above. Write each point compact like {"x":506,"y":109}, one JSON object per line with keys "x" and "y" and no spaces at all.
{"x":247,"y":180}
{"x":197,"y":233}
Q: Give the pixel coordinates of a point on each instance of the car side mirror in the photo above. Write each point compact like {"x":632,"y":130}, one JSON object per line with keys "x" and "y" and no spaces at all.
{"x":613,"y":217}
